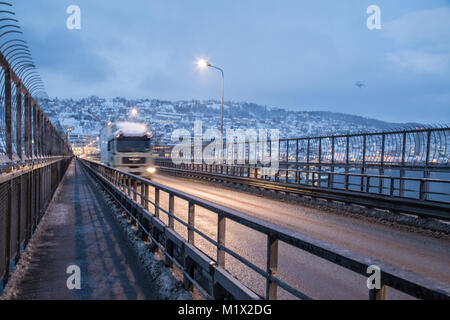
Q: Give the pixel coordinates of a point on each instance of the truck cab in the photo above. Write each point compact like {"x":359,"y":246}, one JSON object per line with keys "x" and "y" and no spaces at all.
{"x":127,"y":146}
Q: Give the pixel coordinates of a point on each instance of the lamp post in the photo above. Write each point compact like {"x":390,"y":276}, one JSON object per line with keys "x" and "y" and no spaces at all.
{"x":205,"y":64}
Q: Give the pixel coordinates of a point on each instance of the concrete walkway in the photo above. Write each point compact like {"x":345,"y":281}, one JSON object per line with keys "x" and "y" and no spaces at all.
{"x":78,"y":229}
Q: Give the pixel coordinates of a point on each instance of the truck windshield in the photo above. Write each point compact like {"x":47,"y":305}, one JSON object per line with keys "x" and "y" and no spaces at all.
{"x":133,"y":144}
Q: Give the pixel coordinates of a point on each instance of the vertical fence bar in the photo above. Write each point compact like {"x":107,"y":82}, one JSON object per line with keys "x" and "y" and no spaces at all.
{"x":307,"y":151}
{"x":146,"y":193}
{"x":221,"y":232}
{"x":157,"y":202}
{"x":8,"y":115}
{"x":427,"y":161}
{"x":347,"y":162}
{"x":41,"y":140}
{"x":378,"y":294}
{"x":134,"y":189}
{"x":19,"y":121}
{"x":333,"y":146}
{"x":272,"y":267}
{"x":381,"y":168}
{"x":142,"y":193}
{"x":8,"y":232}
{"x":171,"y":211}
{"x":404,"y":148}
{"x":191,"y":223}
{"x":27,"y":126}
{"x":171,"y":225}
{"x":363,"y":168}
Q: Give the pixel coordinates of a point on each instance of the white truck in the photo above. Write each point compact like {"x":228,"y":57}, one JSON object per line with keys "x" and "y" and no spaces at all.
{"x":127,"y":146}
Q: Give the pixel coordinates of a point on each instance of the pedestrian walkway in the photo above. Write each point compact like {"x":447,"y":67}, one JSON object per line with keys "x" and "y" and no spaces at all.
{"x":79,"y":230}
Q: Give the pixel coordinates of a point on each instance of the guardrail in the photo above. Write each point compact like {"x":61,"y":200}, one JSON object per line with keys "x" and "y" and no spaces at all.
{"x":410,"y":148}
{"x":394,"y":186}
{"x":25,"y":193}
{"x":373,"y":191}
{"x":33,"y":155}
{"x":132,"y":194}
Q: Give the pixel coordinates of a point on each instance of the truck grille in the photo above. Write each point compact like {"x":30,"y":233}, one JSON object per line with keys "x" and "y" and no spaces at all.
{"x":133,"y":160}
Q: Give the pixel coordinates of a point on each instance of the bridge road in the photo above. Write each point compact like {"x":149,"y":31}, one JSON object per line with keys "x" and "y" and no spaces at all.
{"x":79,"y":230}
{"x":426,"y":255}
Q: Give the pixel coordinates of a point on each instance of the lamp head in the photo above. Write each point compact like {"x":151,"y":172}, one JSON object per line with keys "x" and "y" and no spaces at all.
{"x":202,"y":63}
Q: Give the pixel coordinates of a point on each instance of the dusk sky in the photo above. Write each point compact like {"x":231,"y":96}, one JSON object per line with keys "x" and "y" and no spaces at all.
{"x":299,"y":55}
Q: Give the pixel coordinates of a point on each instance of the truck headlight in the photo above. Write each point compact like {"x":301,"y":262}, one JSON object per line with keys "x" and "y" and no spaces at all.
{"x":151,"y":170}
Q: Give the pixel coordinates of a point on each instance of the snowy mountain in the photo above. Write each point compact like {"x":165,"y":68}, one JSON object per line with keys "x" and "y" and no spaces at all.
{"x":87,"y":116}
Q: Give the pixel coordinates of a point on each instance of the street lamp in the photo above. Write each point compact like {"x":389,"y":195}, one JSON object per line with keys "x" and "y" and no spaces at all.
{"x":203,"y":64}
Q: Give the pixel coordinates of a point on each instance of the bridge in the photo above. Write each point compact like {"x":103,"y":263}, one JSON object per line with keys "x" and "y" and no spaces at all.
{"x":223,"y":230}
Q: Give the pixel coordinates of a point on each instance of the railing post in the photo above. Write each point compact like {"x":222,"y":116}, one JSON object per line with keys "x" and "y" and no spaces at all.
{"x":221,"y":232}
{"x":363,"y":168}
{"x":169,"y":244}
{"x":134,"y":189}
{"x":27,"y":126}
{"x":378,"y":294}
{"x":402,"y":183}
{"x":157,"y":202}
{"x":333,"y":142}
{"x":143,"y":194}
{"x":8,"y":115}
{"x":381,"y":180}
{"x":171,"y":211}
{"x":347,"y":162}
{"x":146,"y":193}
{"x":272,"y":267}
{"x":41,"y":139}
{"x":19,"y":121}
{"x":427,"y":161}
{"x":307,"y":151}
{"x":33,"y":125}
{"x":191,"y":223}
{"x":320,"y":153}
{"x":392,"y":189}
{"x":404,"y":148}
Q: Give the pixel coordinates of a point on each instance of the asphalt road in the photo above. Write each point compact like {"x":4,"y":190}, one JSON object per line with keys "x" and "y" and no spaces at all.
{"x":418,"y":252}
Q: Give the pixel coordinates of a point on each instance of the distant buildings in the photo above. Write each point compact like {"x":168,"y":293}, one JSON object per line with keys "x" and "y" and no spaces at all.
{"x":87,"y":116}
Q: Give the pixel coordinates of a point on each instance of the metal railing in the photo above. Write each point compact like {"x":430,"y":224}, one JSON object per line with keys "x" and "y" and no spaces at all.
{"x":25,"y":194}
{"x":420,"y":147}
{"x":140,"y":200}
{"x":33,"y":156}
{"x":423,"y":189}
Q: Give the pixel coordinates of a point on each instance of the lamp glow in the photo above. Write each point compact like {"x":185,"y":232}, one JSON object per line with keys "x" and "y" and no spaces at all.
{"x":202,"y":63}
